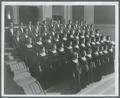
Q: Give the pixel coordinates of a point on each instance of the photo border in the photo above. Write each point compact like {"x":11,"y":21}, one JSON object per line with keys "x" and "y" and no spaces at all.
{"x":116,"y":3}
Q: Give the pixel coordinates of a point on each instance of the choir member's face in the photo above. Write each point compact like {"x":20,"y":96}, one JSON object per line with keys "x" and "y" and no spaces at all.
{"x":84,"y":54}
{"x":30,"y":40}
{"x":70,"y":43}
{"x":26,"y":31}
{"x":54,"y":46}
{"x":21,"y":23}
{"x":11,"y":25}
{"x":18,"y":33}
{"x":77,"y":42}
{"x":38,"y":23}
{"x":43,"y":50}
{"x":40,"y":38}
{"x":89,"y":40}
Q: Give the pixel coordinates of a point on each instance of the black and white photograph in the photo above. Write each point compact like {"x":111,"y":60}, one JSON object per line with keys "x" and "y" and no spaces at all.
{"x":59,"y":48}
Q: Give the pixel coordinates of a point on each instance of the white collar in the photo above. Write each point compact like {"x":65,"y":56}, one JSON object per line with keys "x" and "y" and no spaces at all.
{"x":61,"y":49}
{"x":77,"y":37}
{"x":101,"y":52}
{"x":105,"y":51}
{"x":56,"y":40}
{"x":49,"y":41}
{"x":26,"y":36}
{"x":39,"y":43}
{"x":70,"y":47}
{"x":75,"y":61}
{"x":43,"y":54}
{"x":83,"y":45}
{"x":93,"y":43}
{"x":64,"y":38}
{"x":54,"y":51}
{"x":111,"y":50}
{"x":97,"y":42}
{"x":89,"y":55}
{"x":82,"y":36}
{"x":71,"y":36}
{"x":29,"y":46}
{"x":76,"y":46}
{"x":84,"y":58}
{"x":96,"y":52}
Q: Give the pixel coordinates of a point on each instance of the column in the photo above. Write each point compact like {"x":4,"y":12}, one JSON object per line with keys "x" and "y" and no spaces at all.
{"x":40,"y":13}
{"x":47,"y":12}
{"x":89,"y":14}
{"x":15,"y":14}
{"x":67,"y":13}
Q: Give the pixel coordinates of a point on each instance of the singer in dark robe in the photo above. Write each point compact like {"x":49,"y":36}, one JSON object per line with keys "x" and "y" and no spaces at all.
{"x":97,"y":70}
{"x":43,"y":68}
{"x":75,"y":74}
{"x":85,"y":69}
{"x":91,"y":65}
{"x":10,"y":34}
{"x":106,"y":59}
{"x":111,"y":58}
{"x":31,"y":58}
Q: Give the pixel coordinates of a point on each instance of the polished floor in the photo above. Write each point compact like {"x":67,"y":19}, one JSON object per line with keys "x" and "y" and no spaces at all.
{"x":106,"y":86}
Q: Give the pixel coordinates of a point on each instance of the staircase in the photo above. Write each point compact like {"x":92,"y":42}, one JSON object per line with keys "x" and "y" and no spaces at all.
{"x":21,"y":74}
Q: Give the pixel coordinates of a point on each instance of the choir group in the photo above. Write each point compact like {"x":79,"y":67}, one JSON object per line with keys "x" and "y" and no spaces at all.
{"x":57,"y":51}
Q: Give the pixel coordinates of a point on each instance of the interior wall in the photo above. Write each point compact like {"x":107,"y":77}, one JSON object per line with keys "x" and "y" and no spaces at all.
{"x":27,"y":14}
{"x":77,"y":13}
{"x":104,"y":19}
{"x":58,"y":11}
{"x":104,"y":15}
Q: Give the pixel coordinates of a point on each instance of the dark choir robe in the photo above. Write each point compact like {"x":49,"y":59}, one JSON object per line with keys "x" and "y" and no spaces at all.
{"x":44,"y":37}
{"x":21,"y":29}
{"x":9,"y":36}
{"x":48,"y":45}
{"x":57,"y":42}
{"x":31,"y":60}
{"x":38,"y":47}
{"x":97,"y":43}
{"x":43,"y":69}
{"x":76,"y":48}
{"x":106,"y":63}
{"x":85,"y":71}
{"x":62,"y":64}
{"x":91,"y":65}
{"x":19,"y":47}
{"x":82,"y":48}
{"x":61,"y":57}
{"x":53,"y":57}
{"x":88,"y":45}
{"x":35,"y":37}
{"x":97,"y":69}
{"x":61,"y":34}
{"x":87,"y":37}
{"x":107,"y":43}
{"x":102,"y":43}
{"x":64,"y":41}
{"x":93,"y":45}
{"x":111,"y":60}
{"x":101,"y":55}
{"x":71,"y":38}
{"x":69,"y":53}
{"x":53,"y":66}
{"x":75,"y":76}
{"x":81,"y":38}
